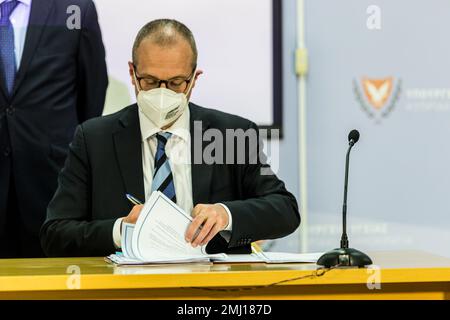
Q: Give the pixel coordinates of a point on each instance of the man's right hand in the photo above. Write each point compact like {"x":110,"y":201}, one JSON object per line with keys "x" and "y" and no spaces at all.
{"x":133,"y":215}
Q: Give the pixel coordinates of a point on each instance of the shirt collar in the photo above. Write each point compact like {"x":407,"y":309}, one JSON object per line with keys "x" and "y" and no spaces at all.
{"x":180,"y":128}
{"x":25,"y":2}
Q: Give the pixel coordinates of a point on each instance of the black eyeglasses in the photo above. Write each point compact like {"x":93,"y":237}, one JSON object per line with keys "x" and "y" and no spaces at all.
{"x":177,"y":84}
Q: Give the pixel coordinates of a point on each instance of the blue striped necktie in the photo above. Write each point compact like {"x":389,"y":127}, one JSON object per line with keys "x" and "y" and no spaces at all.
{"x":7,"y":55}
{"x":162,"y":177}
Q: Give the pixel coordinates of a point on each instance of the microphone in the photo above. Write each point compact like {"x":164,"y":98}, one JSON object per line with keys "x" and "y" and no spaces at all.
{"x":345,"y":256}
{"x":353,"y":137}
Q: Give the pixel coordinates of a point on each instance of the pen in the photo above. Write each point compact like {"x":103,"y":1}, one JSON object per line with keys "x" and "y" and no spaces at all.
{"x":133,"y":200}
{"x":256,"y":248}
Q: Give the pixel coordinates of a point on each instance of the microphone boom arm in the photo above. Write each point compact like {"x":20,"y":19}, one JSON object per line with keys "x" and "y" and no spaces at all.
{"x":344,"y":238}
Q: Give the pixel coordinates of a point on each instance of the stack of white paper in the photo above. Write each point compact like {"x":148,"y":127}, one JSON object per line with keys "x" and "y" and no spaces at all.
{"x":270,"y":257}
{"x":158,"y":238}
{"x":120,"y":259}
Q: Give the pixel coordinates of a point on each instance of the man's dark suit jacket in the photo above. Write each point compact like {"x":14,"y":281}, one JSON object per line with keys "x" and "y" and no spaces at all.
{"x":105,"y":163}
{"x":61,"y":82}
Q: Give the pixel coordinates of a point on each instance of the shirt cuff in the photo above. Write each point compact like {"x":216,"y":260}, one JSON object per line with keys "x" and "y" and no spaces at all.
{"x":117,"y":236}
{"x":226,"y":233}
{"x":230,"y":218}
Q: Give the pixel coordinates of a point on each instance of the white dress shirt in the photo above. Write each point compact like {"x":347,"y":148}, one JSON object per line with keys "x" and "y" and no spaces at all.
{"x":178,"y":150}
{"x":19,"y":19}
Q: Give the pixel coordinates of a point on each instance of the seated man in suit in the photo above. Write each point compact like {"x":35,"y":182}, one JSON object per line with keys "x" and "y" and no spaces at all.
{"x":134,"y":152}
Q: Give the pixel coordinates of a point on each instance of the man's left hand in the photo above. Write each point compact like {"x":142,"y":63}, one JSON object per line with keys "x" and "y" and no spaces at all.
{"x":212,"y":218}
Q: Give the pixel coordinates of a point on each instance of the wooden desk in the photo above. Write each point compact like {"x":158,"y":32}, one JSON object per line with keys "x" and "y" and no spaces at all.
{"x":403,"y":275}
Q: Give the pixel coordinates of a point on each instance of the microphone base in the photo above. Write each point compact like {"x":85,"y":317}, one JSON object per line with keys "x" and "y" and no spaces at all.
{"x":344,"y":257}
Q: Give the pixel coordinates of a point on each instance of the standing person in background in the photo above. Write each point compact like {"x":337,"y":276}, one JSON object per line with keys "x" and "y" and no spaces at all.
{"x":52,"y":77}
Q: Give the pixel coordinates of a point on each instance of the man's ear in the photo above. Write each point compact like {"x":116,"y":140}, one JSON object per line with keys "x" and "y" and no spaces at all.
{"x":131,"y":71}
{"x":197,"y":74}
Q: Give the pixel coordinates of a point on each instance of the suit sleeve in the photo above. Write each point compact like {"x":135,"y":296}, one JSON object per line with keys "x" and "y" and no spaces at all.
{"x":267,"y":210}
{"x":69,"y":229}
{"x":92,"y":74}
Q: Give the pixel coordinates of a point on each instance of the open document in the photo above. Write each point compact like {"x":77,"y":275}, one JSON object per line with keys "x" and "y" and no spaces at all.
{"x":158,"y":238}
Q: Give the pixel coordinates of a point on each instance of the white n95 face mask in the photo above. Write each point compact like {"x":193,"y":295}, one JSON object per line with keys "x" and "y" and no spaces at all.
{"x":162,"y":106}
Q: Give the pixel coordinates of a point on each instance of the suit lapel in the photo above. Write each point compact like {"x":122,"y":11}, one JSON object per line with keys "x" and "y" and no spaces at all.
{"x":127,"y":142}
{"x":40,"y":10}
{"x":201,"y":172}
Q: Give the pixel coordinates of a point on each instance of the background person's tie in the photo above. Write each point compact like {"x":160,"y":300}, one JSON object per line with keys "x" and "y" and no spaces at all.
{"x":7,"y":54}
{"x":162,"y":177}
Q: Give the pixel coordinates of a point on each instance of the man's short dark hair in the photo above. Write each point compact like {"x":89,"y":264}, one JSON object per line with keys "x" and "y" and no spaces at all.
{"x":165,"y":32}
